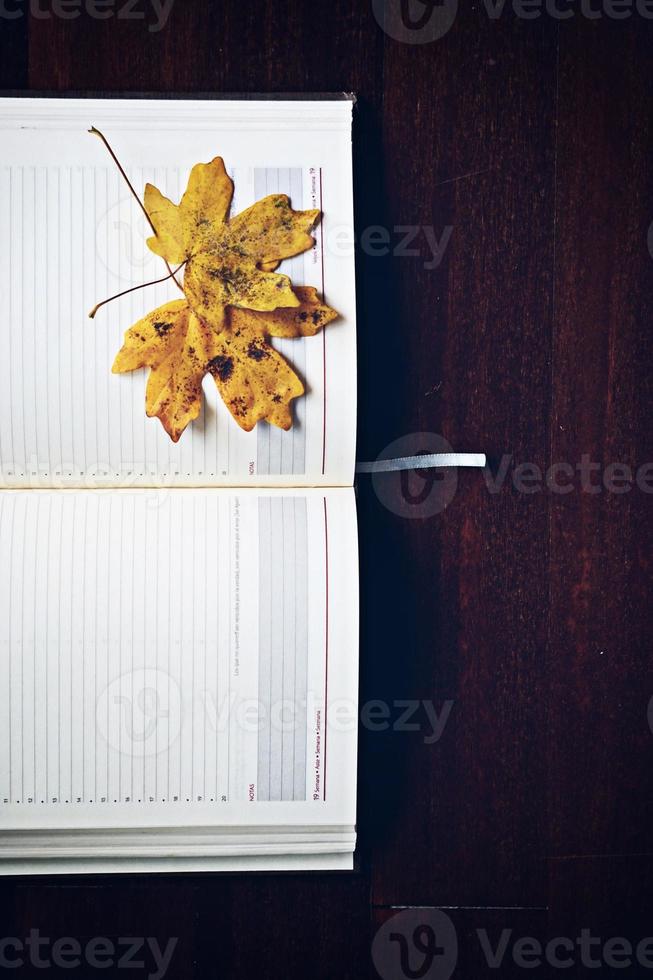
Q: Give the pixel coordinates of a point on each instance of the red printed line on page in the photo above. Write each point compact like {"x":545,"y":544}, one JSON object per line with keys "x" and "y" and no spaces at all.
{"x":326,"y":646}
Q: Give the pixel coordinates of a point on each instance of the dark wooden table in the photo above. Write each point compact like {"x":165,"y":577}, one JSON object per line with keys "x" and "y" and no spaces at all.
{"x":524,"y":606}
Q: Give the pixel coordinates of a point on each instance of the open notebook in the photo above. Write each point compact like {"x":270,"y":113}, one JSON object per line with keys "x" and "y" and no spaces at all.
{"x":178,"y":622}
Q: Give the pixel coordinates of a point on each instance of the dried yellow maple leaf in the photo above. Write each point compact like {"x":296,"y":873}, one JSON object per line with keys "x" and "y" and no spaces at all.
{"x":229,"y":262}
{"x":177,"y":346}
{"x":234,"y":302}
{"x":254,"y":380}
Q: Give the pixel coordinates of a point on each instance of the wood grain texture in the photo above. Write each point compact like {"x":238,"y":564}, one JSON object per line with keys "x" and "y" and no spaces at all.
{"x":463,"y":594}
{"x":530,"y":612}
{"x":600,"y":743}
{"x":99,"y":909}
{"x":290,"y":926}
{"x":610,"y":895}
{"x":206,"y":46}
{"x":13,"y":44}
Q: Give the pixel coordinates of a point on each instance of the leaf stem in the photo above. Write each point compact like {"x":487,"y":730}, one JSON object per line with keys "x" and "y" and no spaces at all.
{"x":133,"y":289}
{"x":96,"y":132}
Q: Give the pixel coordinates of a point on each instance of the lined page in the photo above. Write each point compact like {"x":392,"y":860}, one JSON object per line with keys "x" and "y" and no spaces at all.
{"x":158,"y":649}
{"x":73,"y":235}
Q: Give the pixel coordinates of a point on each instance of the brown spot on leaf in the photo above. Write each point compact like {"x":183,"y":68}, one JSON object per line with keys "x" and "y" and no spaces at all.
{"x":256,"y":352}
{"x":221,"y":367}
{"x":238,"y":406}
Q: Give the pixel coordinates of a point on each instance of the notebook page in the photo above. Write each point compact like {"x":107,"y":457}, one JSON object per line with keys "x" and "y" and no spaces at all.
{"x":73,"y":235}
{"x":170,"y":658}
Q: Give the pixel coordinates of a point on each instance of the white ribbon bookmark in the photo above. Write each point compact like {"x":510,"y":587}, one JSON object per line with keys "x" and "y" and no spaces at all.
{"x":423,"y":462}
